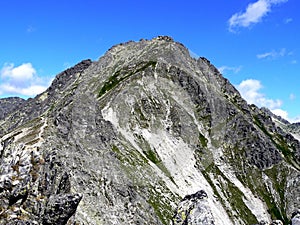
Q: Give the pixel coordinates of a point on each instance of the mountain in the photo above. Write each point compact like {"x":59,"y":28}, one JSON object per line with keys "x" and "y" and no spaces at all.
{"x":147,"y":135}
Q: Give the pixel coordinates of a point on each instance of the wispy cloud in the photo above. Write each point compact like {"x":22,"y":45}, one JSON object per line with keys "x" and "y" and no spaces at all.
{"x":288,"y":20}
{"x":21,"y":80}
{"x":282,"y":113}
{"x":251,"y":91}
{"x":296,"y":119}
{"x":292,"y":96}
{"x":20,"y":73}
{"x":224,"y":69}
{"x":28,"y":91}
{"x":285,"y":115}
{"x":294,"y":61}
{"x":273,"y":54}
{"x":30,"y":29}
{"x":253,"y":14}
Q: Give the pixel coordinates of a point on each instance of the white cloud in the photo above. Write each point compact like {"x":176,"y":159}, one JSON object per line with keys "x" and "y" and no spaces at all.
{"x":223,"y":69}
{"x":30,"y":90}
{"x":273,"y":54}
{"x":253,"y":14}
{"x":284,"y":114}
{"x":21,"y":81}
{"x":19,"y":73}
{"x":251,"y":91}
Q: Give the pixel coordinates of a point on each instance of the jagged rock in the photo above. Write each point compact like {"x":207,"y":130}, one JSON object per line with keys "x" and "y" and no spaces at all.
{"x":20,"y":192}
{"x":60,"y":208}
{"x":22,"y":222}
{"x":296,"y":218}
{"x":193,"y":210}
{"x":64,"y":184}
{"x":262,"y":223}
{"x":8,"y":105}
{"x":294,"y":128}
{"x":276,"y":222}
{"x":164,"y":38}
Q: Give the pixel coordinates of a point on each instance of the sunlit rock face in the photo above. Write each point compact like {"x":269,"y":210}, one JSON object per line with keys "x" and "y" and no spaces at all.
{"x":146,"y":135}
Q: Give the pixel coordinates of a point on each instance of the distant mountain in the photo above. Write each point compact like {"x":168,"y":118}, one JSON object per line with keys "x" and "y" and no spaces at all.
{"x":147,"y":135}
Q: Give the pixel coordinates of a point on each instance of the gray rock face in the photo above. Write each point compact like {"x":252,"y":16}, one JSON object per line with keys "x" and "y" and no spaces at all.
{"x":193,"y":209}
{"x":295,"y":128}
{"x":8,"y":105}
{"x":134,"y":136}
{"x":42,"y":102}
{"x":296,"y":218}
{"x":65,"y":204}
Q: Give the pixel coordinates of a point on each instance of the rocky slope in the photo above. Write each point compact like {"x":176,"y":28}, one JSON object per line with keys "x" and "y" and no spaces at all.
{"x":8,"y":105}
{"x":41,"y":103}
{"x":146,"y":135}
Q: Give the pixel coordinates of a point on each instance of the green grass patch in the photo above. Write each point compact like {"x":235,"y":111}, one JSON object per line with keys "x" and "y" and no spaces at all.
{"x":152,"y":156}
{"x":121,"y":75}
{"x":130,"y":156}
{"x":161,"y":208}
{"x":278,"y":176}
{"x":203,"y":140}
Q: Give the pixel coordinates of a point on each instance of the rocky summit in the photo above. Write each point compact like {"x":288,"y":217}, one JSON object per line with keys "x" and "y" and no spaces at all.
{"x":146,"y":135}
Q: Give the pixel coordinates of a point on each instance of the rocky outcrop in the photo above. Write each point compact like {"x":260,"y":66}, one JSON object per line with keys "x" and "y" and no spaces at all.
{"x":60,"y":208}
{"x":34,"y":187}
{"x":8,"y":105}
{"x":296,"y":218}
{"x":193,"y":209}
{"x":146,"y":135}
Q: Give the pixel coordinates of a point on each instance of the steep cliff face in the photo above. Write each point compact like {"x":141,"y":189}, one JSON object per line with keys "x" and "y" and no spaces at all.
{"x":147,"y":135}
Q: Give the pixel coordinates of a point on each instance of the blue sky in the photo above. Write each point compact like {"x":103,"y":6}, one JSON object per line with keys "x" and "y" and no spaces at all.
{"x":254,"y":43}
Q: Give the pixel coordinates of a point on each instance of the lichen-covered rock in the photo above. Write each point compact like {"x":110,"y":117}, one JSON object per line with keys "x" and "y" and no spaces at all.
{"x":194,"y":210}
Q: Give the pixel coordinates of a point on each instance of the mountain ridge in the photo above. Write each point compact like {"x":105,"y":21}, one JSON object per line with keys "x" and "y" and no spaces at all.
{"x":147,"y":135}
